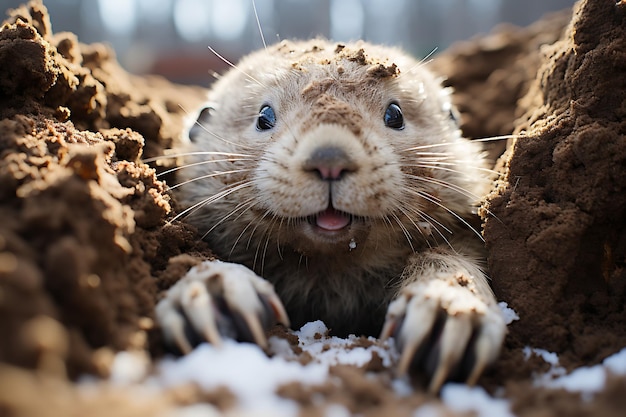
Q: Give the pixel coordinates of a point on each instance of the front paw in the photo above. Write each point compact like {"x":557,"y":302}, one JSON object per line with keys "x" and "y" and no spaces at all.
{"x":218,"y":299}
{"x":446,"y":329}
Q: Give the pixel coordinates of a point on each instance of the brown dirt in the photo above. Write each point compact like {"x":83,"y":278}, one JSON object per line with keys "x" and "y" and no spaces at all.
{"x":86,"y":246}
{"x":556,"y":236}
{"x":491,"y":74}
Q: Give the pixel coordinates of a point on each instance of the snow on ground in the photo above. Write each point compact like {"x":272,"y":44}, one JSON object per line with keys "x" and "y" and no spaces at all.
{"x":245,"y":370}
{"x":333,"y":350}
{"x":253,"y":377}
{"x":508,"y":313}
{"x":461,"y":398}
{"x":586,"y":379}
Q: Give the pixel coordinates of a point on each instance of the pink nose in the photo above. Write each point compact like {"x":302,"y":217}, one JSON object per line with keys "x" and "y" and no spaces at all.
{"x":330,"y":163}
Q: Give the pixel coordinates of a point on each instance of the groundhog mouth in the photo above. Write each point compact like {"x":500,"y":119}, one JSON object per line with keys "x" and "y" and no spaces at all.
{"x":330,"y":220}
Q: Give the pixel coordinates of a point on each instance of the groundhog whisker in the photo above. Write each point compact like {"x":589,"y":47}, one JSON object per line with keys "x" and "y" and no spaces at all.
{"x":189,"y":210}
{"x":178,"y":168}
{"x":432,"y":222}
{"x":448,"y":185}
{"x":455,"y":187}
{"x":267,"y":235}
{"x":230,"y":64}
{"x":412,"y":221}
{"x":278,"y":247}
{"x":213,"y":175}
{"x":243,"y":205}
{"x":443,"y":155}
{"x":497,"y":138}
{"x":444,"y":166}
{"x":211,"y":199}
{"x":405,"y":231}
{"x":216,"y":136}
{"x":243,"y":232}
{"x":432,"y":160}
{"x":388,"y":224}
{"x":197,"y":153}
{"x":447,"y":144}
{"x":425,"y":219}
{"x":269,"y":158}
{"x":423,"y":62}
{"x":453,"y":162}
{"x":258,"y":23}
{"x":427,"y":147}
{"x":256,"y":222}
{"x":436,"y":202}
{"x":259,"y":221}
{"x":436,"y":225}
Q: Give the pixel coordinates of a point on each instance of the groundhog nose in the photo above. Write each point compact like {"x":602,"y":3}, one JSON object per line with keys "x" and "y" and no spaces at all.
{"x":330,"y":163}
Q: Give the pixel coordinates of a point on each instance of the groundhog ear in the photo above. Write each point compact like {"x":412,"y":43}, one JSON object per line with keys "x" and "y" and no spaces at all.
{"x":200,"y":126}
{"x":453,"y":114}
{"x":448,"y":108}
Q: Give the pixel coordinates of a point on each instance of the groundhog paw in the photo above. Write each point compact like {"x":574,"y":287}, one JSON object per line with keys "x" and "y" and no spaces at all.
{"x":215,"y":300}
{"x":445,"y":330}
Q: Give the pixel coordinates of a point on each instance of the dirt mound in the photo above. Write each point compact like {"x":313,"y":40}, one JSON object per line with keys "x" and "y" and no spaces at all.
{"x":85,"y":244}
{"x":491,"y":74}
{"x":557,"y":233}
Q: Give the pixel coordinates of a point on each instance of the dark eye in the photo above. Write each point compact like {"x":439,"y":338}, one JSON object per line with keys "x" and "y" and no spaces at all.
{"x":393,"y":117}
{"x":267,"y":118}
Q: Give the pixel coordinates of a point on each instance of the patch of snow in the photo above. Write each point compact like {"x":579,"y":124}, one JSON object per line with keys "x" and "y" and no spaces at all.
{"x":429,"y":410}
{"x":253,"y":377}
{"x":196,"y":410}
{"x":549,"y":357}
{"x":555,"y":371}
{"x":402,"y":386}
{"x":616,"y":363}
{"x":129,"y":367}
{"x":586,"y":379}
{"x":245,"y":370}
{"x":462,"y":398}
{"x":583,"y":379}
{"x":508,"y":313}
{"x":281,"y":347}
{"x":332,"y":351}
{"x":310,"y":330}
{"x":336,"y":410}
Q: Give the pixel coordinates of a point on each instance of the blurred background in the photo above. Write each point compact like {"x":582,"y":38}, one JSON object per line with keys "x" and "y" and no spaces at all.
{"x":170,"y":37}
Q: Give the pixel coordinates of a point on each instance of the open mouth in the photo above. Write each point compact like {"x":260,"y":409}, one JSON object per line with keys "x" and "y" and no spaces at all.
{"x":331,"y":220}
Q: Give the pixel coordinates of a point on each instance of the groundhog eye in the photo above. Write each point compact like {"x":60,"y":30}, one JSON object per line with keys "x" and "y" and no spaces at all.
{"x":393,"y":117}
{"x":266,"y":119}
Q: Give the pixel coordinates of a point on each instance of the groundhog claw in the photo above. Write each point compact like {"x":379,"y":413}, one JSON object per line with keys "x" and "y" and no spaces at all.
{"x":215,"y":300}
{"x":445,"y":331}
